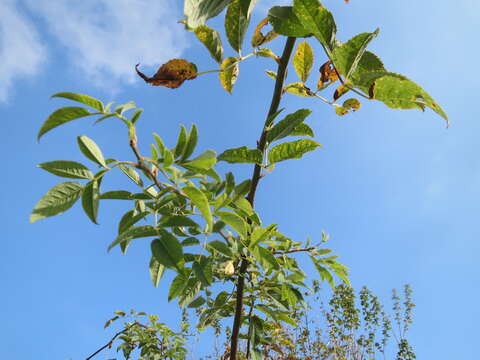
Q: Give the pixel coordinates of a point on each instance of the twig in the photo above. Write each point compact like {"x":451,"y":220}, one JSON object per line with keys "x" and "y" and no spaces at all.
{"x":294,"y":250}
{"x":141,"y":165}
{"x":109,"y":344}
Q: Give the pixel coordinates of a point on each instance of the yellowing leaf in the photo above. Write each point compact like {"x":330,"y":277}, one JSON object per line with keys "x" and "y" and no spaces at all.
{"x":211,"y":39}
{"x":350,"y":104}
{"x":398,"y":92}
{"x":172,"y":74}
{"x":340,"y":91}
{"x":229,"y":268}
{"x":303,"y":60}
{"x":228,"y":75}
{"x":259,"y":38}
{"x":299,"y":89}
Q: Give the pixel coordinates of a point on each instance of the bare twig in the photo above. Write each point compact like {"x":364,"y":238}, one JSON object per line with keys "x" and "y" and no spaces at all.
{"x":109,"y":344}
{"x":294,"y":250}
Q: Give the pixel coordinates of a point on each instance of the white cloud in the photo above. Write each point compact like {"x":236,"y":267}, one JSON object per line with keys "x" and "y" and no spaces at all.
{"x":106,"y":38}
{"x":21,"y":52}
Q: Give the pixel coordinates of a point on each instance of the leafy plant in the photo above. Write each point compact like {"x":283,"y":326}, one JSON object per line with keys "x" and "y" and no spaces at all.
{"x":181,"y":196}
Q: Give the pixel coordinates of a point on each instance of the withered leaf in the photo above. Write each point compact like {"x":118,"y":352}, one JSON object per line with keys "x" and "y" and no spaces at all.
{"x":340,"y":91}
{"x":350,"y":104}
{"x":259,"y":38}
{"x":172,"y":74}
{"x":328,"y":75}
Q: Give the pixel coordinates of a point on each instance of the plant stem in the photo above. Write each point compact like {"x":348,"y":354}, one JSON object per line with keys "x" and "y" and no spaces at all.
{"x":261,"y":145}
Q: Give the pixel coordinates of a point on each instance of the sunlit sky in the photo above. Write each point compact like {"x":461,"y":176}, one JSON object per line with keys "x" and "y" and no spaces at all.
{"x":398,"y":193}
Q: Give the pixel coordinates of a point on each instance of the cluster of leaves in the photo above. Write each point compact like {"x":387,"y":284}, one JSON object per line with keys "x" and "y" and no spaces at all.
{"x":351,"y":326}
{"x":192,"y":200}
{"x":358,"y":70}
{"x":204,"y":225}
{"x":152,"y":339}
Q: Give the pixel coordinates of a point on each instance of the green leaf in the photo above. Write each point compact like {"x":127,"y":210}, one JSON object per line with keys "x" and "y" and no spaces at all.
{"x":398,"y":92}
{"x":136,"y":115}
{"x":235,"y":221}
{"x":160,"y":145}
{"x":156,"y":271}
{"x":199,"y":11}
{"x":347,"y":56}
{"x":236,"y":23}
{"x":57,"y":200}
{"x":199,"y":199}
{"x":67,"y":169}
{"x":285,"y":127}
{"x":176,"y":220}
{"x":291,"y":150}
{"x":192,"y":139}
{"x":368,"y":63}
{"x":303,"y":60}
{"x":317,"y":20}
{"x":204,"y":161}
{"x":167,"y":158}
{"x":91,"y":150}
{"x":84,"y":99}
{"x":109,"y":322}
{"x":229,"y":74}
{"x":266,"y":258}
{"x":261,"y":234}
{"x":129,"y":219}
{"x":302,"y":130}
{"x":241,"y":155}
{"x":247,"y":7}
{"x":90,"y":200}
{"x":62,"y":116}
{"x":121,"y":109}
{"x":190,"y":241}
{"x":116,"y":195}
{"x":221,"y":247}
{"x":181,"y":142}
{"x":168,"y":251}
{"x":211,"y":39}
{"x":285,"y":22}
{"x":154,"y":151}
{"x":179,"y":283}
{"x":133,"y":232}
{"x":132,"y":174}
{"x":271,"y":74}
{"x":203,"y":271}
{"x":189,"y":292}
{"x":199,"y":301}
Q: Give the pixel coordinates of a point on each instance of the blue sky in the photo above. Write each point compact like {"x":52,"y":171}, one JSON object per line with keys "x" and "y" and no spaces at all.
{"x":398,"y":193}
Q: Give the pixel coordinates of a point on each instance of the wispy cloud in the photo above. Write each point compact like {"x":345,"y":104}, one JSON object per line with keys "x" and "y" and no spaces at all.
{"x":105,"y":38}
{"x":21,"y":52}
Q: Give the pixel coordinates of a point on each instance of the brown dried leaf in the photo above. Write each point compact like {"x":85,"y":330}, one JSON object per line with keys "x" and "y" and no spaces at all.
{"x":172,"y":74}
{"x":328,"y":75}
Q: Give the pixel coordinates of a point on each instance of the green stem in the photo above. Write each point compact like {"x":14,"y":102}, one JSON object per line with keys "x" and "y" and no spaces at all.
{"x":261,"y":145}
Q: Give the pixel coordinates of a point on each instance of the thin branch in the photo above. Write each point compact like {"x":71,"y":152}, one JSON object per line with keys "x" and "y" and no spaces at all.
{"x":109,"y":344}
{"x":141,"y":165}
{"x":294,"y":250}
{"x":261,"y":145}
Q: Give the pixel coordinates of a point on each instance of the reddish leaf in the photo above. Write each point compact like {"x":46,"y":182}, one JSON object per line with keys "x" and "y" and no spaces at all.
{"x":172,"y":74}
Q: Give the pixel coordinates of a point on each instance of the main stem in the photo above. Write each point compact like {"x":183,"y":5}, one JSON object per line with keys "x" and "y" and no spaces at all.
{"x":261,"y":144}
